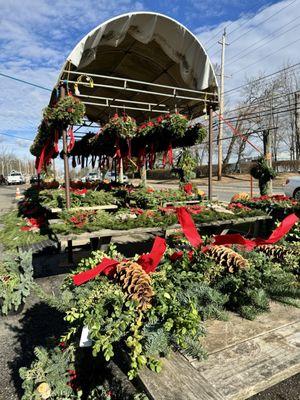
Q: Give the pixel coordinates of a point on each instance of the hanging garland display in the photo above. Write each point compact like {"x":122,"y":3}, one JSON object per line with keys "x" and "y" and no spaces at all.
{"x":67,"y":111}
{"x":123,"y":127}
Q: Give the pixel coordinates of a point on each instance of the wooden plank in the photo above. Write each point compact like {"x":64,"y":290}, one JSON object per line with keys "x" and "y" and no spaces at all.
{"x":245,"y":357}
{"x":177,"y":380}
{"x":56,"y":210}
{"x":249,"y":367}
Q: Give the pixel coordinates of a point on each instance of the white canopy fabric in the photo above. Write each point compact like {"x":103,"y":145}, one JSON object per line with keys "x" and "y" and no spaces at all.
{"x":148,"y":47}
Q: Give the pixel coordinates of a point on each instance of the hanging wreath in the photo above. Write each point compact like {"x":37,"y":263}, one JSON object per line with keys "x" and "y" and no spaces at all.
{"x":264,"y":173}
{"x":176,"y":124}
{"x":43,"y":134}
{"x":67,"y":111}
{"x":123,"y":127}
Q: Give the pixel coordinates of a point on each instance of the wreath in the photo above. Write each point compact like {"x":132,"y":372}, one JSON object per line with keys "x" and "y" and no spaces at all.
{"x":264,"y":173}
{"x":123,"y":127}
{"x":67,"y":111}
{"x":41,"y":138}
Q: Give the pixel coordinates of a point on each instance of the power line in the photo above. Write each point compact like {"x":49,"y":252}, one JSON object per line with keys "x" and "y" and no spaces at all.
{"x":26,"y":82}
{"x":274,"y":36}
{"x":264,"y":21}
{"x":255,"y":104}
{"x":16,"y":137}
{"x":267,"y":56}
{"x":263,"y":77}
{"x":253,"y":27}
{"x":227,"y":26}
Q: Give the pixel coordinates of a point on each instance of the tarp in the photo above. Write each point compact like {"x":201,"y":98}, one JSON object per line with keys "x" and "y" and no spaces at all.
{"x":143,"y":46}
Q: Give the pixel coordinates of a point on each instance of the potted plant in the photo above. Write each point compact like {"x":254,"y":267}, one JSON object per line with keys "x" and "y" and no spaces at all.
{"x":16,"y":281}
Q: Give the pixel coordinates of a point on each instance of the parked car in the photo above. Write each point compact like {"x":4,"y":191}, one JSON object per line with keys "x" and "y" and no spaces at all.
{"x":111,"y":176}
{"x":15,"y":178}
{"x":93,"y":176}
{"x":34,"y":179}
{"x":292,"y":187}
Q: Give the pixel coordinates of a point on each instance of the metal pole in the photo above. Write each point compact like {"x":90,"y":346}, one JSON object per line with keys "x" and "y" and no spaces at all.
{"x":221,"y":107}
{"x":54,"y":170}
{"x":65,"y":156}
{"x":251,"y":186}
{"x":210,"y":152}
{"x":121,"y":175}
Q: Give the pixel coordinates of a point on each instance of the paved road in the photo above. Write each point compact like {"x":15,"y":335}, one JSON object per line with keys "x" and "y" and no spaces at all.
{"x":222,"y":192}
{"x":7,"y":197}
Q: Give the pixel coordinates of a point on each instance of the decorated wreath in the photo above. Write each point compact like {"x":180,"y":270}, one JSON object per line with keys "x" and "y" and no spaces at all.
{"x":123,"y":127}
{"x":67,"y":111}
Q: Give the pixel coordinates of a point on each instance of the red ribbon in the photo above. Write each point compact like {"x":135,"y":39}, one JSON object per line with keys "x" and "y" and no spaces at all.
{"x":72,"y":139}
{"x":188,"y":226}
{"x":168,"y":156}
{"x":285,"y":226}
{"x":188,"y":188}
{"x":106,"y":266}
{"x":149,"y":262}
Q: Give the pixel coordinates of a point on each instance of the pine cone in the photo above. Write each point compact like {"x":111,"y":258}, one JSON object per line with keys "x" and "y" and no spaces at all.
{"x":136,"y":282}
{"x":278,"y":252}
{"x":275,"y":252}
{"x":227,"y":258}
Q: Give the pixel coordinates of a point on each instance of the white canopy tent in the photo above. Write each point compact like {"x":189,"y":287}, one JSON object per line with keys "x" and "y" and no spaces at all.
{"x":141,"y":62}
{"x":144,"y":64}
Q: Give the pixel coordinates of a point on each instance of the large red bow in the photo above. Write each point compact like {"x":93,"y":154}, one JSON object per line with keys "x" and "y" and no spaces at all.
{"x":149,"y":262}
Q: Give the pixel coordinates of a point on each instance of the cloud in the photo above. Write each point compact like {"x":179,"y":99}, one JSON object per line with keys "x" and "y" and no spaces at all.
{"x":37,"y":36}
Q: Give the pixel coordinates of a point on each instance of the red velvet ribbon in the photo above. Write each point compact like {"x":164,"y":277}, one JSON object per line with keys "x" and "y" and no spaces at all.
{"x":141,"y":157}
{"x":72,"y":139}
{"x":188,"y":188}
{"x":40,"y":160}
{"x":278,"y":233}
{"x":151,"y":156}
{"x":168,"y":156}
{"x":106,"y":266}
{"x":188,"y":226}
{"x":149,"y":262}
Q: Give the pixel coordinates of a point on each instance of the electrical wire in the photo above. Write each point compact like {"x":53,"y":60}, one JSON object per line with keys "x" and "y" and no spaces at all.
{"x":264,"y":21}
{"x":267,"y":56}
{"x":15,"y":137}
{"x":274,"y":36}
{"x":263,"y":77}
{"x":26,"y":82}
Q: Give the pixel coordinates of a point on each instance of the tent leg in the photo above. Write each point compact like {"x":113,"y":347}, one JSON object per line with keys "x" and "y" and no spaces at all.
{"x":210,"y":152}
{"x":121,"y":175}
{"x":144,"y":175}
{"x":66,"y":160}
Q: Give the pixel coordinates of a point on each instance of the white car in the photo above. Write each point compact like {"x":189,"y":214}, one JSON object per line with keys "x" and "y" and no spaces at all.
{"x":15,"y":178}
{"x":111,"y":176}
{"x":292,"y":187}
{"x":93,"y":177}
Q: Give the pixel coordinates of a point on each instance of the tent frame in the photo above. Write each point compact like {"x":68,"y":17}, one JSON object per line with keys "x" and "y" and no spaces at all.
{"x":165,"y":91}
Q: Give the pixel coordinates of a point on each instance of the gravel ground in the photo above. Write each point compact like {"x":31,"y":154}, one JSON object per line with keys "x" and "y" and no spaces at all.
{"x":286,"y":390}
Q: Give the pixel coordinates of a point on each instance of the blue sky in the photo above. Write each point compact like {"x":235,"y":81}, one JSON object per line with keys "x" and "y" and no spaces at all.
{"x":37,"y":35}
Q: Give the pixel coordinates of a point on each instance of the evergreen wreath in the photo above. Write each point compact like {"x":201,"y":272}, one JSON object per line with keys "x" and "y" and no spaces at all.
{"x":264,"y":173}
{"x":123,"y":127}
{"x":67,"y":111}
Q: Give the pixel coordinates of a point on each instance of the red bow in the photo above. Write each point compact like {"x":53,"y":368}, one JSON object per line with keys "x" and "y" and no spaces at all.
{"x":149,"y":262}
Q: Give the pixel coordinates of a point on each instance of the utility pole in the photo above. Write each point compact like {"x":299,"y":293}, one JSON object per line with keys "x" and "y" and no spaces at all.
{"x":267,"y":141}
{"x":297,"y":125}
{"x":221,"y":106}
